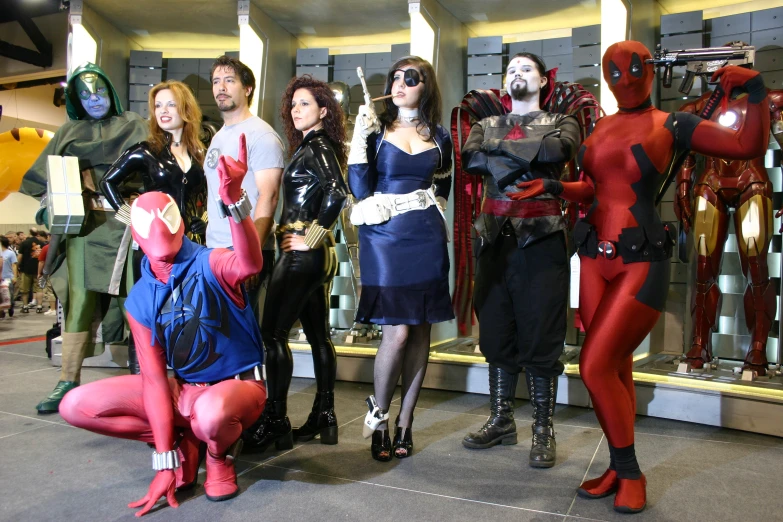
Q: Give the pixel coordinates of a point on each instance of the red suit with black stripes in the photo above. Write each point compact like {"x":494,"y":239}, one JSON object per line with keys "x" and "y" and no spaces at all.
{"x":624,"y":247}
{"x":745,"y":186}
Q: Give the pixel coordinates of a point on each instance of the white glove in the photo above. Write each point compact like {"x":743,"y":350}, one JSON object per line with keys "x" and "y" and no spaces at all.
{"x":366,"y":123}
{"x":370,"y":211}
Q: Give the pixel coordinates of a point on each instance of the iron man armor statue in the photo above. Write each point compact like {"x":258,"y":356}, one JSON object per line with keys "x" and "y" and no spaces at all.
{"x":703,"y":204}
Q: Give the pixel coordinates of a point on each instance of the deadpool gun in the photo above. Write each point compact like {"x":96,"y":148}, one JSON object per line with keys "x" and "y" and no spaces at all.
{"x":698,"y":62}
{"x":702,"y":62}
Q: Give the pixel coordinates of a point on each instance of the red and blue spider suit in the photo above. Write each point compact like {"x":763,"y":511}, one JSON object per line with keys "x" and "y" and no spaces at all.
{"x":189,"y":310}
{"x":623,"y":246}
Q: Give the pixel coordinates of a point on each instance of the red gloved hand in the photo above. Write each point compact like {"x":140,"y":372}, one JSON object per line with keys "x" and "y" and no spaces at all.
{"x":162,"y":485}
{"x":777,"y":215}
{"x":530,"y":189}
{"x":732,"y":76}
{"x":231,"y":173}
{"x":682,"y":205}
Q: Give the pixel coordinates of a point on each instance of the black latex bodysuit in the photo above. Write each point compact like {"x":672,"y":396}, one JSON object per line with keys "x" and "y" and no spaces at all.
{"x":300,"y":287}
{"x":161,"y":173}
{"x":158,"y":172}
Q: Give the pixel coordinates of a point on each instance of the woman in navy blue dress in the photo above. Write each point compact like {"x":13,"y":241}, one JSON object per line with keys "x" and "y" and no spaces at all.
{"x":399,"y":170}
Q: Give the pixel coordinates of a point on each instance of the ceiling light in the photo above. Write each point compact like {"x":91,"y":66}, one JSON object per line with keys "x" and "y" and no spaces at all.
{"x":307,"y":30}
{"x":480,"y":17}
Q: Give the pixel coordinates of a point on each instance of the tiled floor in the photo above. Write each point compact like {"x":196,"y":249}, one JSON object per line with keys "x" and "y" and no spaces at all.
{"x":51,"y":471}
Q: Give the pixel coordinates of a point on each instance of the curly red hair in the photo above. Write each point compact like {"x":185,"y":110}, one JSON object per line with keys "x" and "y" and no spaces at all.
{"x":333,"y":122}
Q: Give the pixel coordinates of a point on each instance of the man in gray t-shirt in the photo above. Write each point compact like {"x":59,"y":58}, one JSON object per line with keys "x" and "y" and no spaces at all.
{"x":233,"y":86}
{"x":264,"y":152}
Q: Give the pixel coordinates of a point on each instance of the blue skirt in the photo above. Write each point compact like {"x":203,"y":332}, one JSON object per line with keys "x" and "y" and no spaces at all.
{"x":405,"y":270}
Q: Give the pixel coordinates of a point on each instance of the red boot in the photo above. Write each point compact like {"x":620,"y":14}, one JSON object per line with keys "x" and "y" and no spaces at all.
{"x":189,"y":456}
{"x":631,"y":495}
{"x":221,"y":483}
{"x":756,"y":359}
{"x":600,"y":487}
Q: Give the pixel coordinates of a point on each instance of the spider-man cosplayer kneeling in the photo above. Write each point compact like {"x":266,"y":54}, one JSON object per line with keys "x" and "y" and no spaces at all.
{"x":623,"y":246}
{"x":189,"y":310}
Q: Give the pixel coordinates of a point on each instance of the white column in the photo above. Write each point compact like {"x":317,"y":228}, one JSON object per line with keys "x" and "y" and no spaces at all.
{"x":614,"y":28}
{"x":82,"y":47}
{"x":251,"y":52}
{"x":422,"y":34}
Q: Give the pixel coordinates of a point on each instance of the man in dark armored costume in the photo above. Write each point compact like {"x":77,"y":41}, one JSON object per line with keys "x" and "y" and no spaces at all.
{"x":521,"y":282}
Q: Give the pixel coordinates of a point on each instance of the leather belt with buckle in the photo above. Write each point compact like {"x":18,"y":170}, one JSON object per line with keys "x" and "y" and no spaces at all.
{"x":607,"y":249}
{"x":253,"y":374}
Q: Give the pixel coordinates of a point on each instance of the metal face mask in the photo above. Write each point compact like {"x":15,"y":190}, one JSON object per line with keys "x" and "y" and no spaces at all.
{"x":156,"y":224}
{"x":94,"y":94}
{"x":627,"y":73}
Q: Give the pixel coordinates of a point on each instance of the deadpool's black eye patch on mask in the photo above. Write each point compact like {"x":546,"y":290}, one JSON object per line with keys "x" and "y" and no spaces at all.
{"x":614,"y":72}
{"x":637,"y":67}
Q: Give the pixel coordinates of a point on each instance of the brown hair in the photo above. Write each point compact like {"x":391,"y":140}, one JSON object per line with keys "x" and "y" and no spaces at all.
{"x":429,"y":103}
{"x":188,"y":110}
{"x":243,"y":72}
{"x":334,"y":121}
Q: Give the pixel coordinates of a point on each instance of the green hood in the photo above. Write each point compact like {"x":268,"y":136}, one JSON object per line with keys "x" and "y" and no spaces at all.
{"x":72,"y":103}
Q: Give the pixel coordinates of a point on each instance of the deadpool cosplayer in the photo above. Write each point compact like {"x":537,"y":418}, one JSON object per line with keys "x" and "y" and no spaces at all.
{"x":314,"y":194}
{"x":623,"y":246}
{"x":704,"y":205}
{"x":521,"y":283}
{"x":189,"y":311}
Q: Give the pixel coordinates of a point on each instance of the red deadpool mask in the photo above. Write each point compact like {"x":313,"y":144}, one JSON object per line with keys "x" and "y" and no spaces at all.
{"x":629,"y":77}
{"x":156,"y":225}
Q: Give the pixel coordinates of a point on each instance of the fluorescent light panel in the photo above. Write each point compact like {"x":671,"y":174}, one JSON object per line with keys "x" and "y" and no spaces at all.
{"x":251,"y":53}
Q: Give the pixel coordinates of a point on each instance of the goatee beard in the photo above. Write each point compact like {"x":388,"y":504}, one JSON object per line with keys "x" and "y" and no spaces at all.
{"x":518,"y":92}
{"x":228,"y":105}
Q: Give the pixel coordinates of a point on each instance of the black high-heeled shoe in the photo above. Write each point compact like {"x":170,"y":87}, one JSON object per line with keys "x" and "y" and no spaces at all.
{"x":381,"y":446}
{"x":321,"y":421}
{"x":403,"y":443}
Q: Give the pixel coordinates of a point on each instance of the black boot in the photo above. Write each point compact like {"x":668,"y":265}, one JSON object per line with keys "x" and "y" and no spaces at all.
{"x":272,"y":427}
{"x":321,"y":421}
{"x":543,"y":391}
{"x":500,"y":427}
{"x":133,"y":360}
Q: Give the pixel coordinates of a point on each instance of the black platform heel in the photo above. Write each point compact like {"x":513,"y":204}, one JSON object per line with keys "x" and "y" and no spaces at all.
{"x":270,"y":428}
{"x":403,"y":443}
{"x":321,"y":421}
{"x":403,"y":440}
{"x":381,"y":446}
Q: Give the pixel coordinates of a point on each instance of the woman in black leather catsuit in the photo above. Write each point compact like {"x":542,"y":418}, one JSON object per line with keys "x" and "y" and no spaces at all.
{"x":313,"y":197}
{"x":161,"y":163}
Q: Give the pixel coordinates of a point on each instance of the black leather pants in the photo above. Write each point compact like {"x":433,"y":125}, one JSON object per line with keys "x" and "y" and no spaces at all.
{"x":133,"y":360}
{"x":300,"y":288}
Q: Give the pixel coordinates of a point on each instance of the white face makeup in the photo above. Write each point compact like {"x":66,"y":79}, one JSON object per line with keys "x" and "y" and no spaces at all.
{"x":523,"y":78}
{"x":305,"y":112}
